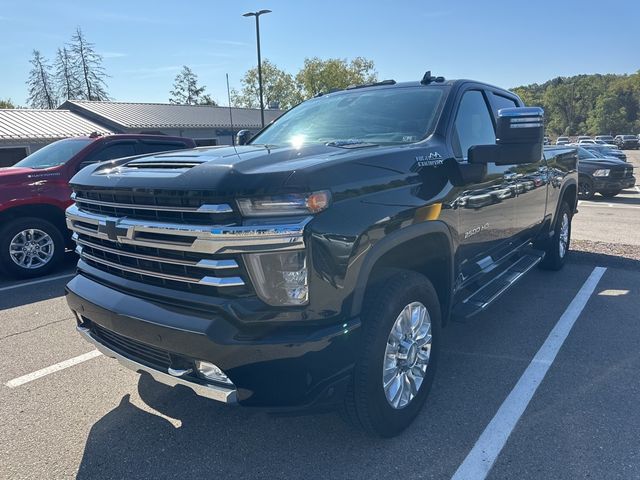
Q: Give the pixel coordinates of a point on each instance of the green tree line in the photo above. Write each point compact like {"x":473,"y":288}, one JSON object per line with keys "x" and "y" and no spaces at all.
{"x":587,"y":104}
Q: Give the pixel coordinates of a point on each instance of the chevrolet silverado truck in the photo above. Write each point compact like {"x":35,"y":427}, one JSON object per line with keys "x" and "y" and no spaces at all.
{"x":35,"y":192}
{"x":314,"y":266}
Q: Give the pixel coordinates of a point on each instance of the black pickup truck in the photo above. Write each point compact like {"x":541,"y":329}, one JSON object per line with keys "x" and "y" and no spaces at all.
{"x":315,"y":266}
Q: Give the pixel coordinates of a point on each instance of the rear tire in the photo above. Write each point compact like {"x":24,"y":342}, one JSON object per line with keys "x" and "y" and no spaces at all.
{"x":30,"y":247}
{"x":610,"y":193}
{"x":558,"y":249}
{"x":409,"y":363}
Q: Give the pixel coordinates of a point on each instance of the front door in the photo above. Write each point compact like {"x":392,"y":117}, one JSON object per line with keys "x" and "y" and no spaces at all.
{"x":486,"y":210}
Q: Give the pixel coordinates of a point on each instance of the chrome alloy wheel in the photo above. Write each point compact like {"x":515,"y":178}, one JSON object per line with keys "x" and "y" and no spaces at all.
{"x":31,"y":248}
{"x":407,"y":355}
{"x":563,"y":244}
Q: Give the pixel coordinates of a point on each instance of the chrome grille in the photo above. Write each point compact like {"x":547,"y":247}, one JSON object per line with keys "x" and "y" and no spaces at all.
{"x":200,"y":251}
{"x":161,"y":205}
{"x":624,"y":172}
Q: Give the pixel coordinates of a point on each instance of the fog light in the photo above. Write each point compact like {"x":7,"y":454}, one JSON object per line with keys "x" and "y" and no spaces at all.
{"x":212,"y":372}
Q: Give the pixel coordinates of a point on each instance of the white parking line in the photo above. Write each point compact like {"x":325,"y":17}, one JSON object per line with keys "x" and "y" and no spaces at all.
{"x":637,"y":189}
{"x":482,"y":456}
{"x":606,"y":205}
{"x":30,"y":377}
{"x":34,"y":282}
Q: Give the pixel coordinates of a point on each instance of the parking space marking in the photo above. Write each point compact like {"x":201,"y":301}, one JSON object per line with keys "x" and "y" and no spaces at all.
{"x":637,"y":189}
{"x":608,"y":205}
{"x":30,"y":377}
{"x":484,"y":453}
{"x":34,"y":282}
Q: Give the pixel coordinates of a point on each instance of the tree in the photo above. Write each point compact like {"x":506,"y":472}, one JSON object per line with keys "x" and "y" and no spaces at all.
{"x":208,"y":100}
{"x":186,"y":90}
{"x":67,"y":82}
{"x":87,"y":66}
{"x":325,"y":75}
{"x":277,"y":85}
{"x":7,"y":103}
{"x":40,"y":82}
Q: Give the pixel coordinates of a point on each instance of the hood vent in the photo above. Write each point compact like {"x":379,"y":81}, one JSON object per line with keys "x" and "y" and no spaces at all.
{"x":163,"y":163}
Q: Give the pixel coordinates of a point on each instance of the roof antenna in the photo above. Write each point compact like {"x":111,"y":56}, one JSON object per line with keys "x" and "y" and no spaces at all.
{"x":233,"y":140}
{"x":427,"y":78}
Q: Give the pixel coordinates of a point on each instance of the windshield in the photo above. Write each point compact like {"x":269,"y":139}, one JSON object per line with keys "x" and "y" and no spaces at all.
{"x":630,"y":137}
{"x":369,"y":116}
{"x":54,"y":154}
{"x":584,"y":153}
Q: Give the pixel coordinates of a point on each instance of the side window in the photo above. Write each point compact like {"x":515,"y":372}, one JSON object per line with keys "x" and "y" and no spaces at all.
{"x":500,"y":101}
{"x":156,"y":147}
{"x":112,"y":151}
{"x":473,"y":125}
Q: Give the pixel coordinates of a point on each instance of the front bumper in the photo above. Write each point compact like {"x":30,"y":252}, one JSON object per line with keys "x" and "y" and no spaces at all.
{"x":604,"y":183}
{"x":278,"y":368}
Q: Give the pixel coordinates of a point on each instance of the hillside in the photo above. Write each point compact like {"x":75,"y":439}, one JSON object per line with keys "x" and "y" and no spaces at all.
{"x":587,"y":104}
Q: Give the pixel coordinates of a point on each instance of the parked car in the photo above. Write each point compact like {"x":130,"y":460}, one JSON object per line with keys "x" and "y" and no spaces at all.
{"x":607,"y":139}
{"x":563,"y":141}
{"x":333,"y":257}
{"x":546,"y":140}
{"x":583,"y":137}
{"x":35,"y":192}
{"x":604,"y":175}
{"x":627,"y":142}
{"x":587,"y":141}
{"x":607,"y":151}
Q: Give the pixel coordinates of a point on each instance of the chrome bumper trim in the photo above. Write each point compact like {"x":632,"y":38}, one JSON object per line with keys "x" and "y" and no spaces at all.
{"x":214,"y":392}
{"x":192,"y":238}
{"x":209,"y":281}
{"x":204,"y":263}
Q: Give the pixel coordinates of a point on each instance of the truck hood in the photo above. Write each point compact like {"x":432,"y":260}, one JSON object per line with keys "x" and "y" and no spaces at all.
{"x":604,"y":162}
{"x":226,"y":170}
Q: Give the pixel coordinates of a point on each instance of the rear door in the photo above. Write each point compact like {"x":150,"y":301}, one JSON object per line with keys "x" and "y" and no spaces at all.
{"x":486,"y":217}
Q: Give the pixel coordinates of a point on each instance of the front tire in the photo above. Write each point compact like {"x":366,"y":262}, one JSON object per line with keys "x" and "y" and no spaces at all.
{"x":585,"y":189}
{"x":30,"y":247}
{"x":556,"y":253}
{"x":401,"y":333}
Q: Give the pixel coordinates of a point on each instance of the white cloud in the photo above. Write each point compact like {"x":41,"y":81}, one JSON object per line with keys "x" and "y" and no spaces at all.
{"x":113,"y":54}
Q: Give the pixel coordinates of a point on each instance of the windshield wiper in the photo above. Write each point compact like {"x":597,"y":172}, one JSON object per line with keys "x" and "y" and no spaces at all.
{"x":350,"y":144}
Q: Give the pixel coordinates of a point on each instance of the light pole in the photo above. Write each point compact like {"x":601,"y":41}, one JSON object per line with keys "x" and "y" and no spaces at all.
{"x":257,"y":15}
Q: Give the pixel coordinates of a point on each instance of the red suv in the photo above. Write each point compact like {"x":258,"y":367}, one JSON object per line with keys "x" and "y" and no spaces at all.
{"x":35,"y":192}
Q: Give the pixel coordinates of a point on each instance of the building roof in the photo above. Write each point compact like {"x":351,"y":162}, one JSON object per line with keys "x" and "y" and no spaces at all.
{"x":27,"y":124}
{"x":126,"y":115}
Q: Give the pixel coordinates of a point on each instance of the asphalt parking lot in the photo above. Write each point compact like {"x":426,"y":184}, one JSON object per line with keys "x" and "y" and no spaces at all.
{"x":67,"y":412}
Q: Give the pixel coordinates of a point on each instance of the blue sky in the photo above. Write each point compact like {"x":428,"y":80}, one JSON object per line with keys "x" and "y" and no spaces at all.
{"x":144,"y":43}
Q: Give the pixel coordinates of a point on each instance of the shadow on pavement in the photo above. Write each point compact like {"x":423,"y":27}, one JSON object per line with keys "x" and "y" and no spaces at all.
{"x":618,"y":199}
{"x":211,"y":441}
{"x":603,"y":260}
{"x":27,"y":294}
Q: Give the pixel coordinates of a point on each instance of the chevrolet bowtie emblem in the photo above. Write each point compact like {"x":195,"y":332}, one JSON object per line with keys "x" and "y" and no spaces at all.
{"x":111,"y":230}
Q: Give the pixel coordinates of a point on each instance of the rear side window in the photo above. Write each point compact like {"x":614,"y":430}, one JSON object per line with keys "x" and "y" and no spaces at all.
{"x":112,"y":151}
{"x":501,"y":101}
{"x":156,"y":147}
{"x":473,"y":125}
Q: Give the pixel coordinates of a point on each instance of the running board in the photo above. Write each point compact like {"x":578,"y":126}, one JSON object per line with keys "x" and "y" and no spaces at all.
{"x":486,"y":294}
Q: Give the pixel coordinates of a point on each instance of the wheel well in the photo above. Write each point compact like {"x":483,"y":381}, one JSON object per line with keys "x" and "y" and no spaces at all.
{"x":429,"y":255}
{"x":43,"y":211}
{"x":571,"y":195}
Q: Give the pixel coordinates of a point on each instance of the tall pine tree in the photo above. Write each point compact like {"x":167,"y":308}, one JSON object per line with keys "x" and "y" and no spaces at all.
{"x":186,"y":90}
{"x":88,"y":68}
{"x":67,"y":80}
{"x":40,"y":83}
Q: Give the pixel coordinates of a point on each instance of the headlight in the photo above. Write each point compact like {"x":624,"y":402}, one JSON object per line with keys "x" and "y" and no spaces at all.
{"x":279,"y":278}
{"x":603,"y":172}
{"x":290,"y":204}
